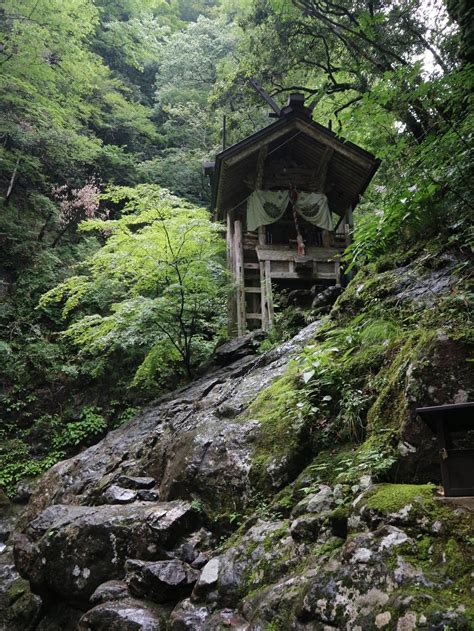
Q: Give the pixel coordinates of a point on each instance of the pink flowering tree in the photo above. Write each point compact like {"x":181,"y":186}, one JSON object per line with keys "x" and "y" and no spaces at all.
{"x":76,"y":204}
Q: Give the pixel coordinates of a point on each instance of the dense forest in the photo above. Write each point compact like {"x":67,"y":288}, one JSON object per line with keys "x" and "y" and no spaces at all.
{"x":113,"y":276}
{"x":109,"y":110}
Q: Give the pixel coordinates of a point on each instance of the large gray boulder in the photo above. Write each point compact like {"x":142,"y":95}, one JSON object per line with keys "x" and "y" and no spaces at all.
{"x":264,"y":551}
{"x":188,"y":616}
{"x":69,"y":551}
{"x":190,"y":442}
{"x":161,"y":581}
{"x":238,"y":348}
{"x":110,"y":590}
{"x":124,"y":615}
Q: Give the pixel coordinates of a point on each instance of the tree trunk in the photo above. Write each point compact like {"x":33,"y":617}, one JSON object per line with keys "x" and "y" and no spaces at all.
{"x":12,"y":182}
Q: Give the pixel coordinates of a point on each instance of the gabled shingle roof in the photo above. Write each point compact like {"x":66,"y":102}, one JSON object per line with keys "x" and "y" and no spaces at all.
{"x":349,"y":172}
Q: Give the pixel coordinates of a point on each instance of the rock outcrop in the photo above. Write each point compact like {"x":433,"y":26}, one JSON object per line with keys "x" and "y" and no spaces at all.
{"x":191,"y":442}
{"x":234,"y":502}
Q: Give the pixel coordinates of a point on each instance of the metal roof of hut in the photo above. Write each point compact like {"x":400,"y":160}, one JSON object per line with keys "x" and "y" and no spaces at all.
{"x":296,"y":151}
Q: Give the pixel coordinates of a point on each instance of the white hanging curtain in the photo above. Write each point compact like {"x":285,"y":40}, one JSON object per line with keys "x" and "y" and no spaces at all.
{"x":314,"y":208}
{"x":266,"y":207}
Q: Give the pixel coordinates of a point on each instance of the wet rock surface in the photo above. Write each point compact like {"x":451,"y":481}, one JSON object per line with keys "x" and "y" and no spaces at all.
{"x":117,"y":495}
{"x":189,"y":617}
{"x":19,"y":608}
{"x":161,"y":581}
{"x":375,"y":578}
{"x":93,"y":513}
{"x":135,"y":532}
{"x":69,"y":551}
{"x":124,"y":615}
{"x":188,"y":442}
{"x":110,"y":590}
{"x":130,"y":482}
{"x":24,"y":490}
{"x":238,"y":348}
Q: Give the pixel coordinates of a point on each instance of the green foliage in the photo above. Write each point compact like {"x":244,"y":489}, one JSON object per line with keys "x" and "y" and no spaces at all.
{"x":191,"y":126}
{"x":154,"y":292}
{"x":77,"y":81}
{"x":333,"y":373}
{"x":90,"y":425}
{"x":49,"y":137}
{"x":16,"y":463}
{"x":433,"y":195}
{"x":20,"y":457}
{"x":374,"y":457}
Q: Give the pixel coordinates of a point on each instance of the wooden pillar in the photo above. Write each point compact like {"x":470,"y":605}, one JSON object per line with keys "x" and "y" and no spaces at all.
{"x":263,"y":287}
{"x":238,"y":256}
{"x":232,"y":300}
{"x":268,"y":292}
{"x":337,"y":269}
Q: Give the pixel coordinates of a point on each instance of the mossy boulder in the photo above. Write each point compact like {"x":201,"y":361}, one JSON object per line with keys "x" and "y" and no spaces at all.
{"x":19,"y":607}
{"x":402,"y":568}
{"x":387,"y":499}
{"x":280,"y":437}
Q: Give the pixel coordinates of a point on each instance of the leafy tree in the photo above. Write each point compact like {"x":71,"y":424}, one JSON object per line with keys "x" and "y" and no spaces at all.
{"x":155,"y":291}
{"x":190,"y":125}
{"x":128,"y":39}
{"x":130,"y":91}
{"x":342,"y":50}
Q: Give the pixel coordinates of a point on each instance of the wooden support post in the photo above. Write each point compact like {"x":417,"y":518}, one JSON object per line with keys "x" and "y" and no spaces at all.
{"x":337,"y":269}
{"x":263,"y":286}
{"x":239,"y":276}
{"x":269,"y":294}
{"x":349,"y":223}
{"x":232,"y":300}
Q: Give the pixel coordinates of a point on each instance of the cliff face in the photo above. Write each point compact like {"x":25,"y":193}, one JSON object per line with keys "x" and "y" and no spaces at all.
{"x":287,"y":490}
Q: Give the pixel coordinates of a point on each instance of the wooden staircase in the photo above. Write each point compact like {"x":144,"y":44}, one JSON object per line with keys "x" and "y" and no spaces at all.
{"x":256,"y":264}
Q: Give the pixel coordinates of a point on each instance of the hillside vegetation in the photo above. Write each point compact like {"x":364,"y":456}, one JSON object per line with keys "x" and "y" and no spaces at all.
{"x":292,"y":486}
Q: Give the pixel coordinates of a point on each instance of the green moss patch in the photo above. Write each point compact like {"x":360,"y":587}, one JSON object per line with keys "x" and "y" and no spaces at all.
{"x":276,"y":408}
{"x":17,"y":589}
{"x":391,"y":498}
{"x":284,"y":416}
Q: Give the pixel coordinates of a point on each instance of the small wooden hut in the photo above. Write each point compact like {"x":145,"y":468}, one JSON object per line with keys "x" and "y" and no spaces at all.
{"x":287,"y":194}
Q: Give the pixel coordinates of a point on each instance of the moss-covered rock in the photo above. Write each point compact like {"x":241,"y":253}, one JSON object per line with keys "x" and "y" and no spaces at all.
{"x":392,"y":498}
{"x":307,"y":457}
{"x":402,"y":569}
{"x":282,"y":412}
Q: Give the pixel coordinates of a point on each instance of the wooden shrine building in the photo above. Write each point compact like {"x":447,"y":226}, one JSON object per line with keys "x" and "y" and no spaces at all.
{"x":287,"y":194}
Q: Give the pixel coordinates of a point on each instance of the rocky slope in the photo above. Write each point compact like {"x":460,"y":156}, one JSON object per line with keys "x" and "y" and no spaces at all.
{"x":288,"y":490}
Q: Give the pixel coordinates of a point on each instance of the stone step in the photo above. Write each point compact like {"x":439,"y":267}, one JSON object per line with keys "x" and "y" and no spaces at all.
{"x":138,"y":482}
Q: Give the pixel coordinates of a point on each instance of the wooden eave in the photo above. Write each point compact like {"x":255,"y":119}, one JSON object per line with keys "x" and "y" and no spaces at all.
{"x":349,"y":172}
{"x":459,"y":416}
